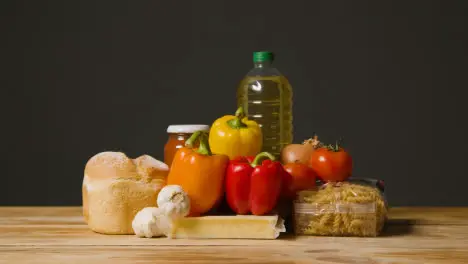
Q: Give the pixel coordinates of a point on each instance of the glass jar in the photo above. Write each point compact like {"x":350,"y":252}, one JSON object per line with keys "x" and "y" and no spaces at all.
{"x":178,"y":134}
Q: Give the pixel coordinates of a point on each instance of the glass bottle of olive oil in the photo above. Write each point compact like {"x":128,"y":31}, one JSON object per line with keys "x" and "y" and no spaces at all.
{"x":266,"y":97}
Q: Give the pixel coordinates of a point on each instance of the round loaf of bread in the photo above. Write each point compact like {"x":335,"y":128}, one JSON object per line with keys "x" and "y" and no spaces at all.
{"x":116,"y":187}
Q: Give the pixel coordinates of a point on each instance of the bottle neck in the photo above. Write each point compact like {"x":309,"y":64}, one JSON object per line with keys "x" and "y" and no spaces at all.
{"x":263,"y":64}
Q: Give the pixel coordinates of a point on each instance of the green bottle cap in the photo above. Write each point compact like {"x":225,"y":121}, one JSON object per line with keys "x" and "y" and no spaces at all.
{"x":261,"y":56}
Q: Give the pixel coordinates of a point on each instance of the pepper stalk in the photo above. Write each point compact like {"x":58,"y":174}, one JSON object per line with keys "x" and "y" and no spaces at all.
{"x":202,"y":138}
{"x":236,"y":123}
{"x":261,"y":157}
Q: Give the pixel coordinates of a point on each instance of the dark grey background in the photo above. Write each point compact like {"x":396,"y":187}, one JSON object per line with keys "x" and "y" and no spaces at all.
{"x":81,"y":77}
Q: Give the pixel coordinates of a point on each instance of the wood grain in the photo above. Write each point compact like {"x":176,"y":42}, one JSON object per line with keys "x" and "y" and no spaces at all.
{"x":59,"y":235}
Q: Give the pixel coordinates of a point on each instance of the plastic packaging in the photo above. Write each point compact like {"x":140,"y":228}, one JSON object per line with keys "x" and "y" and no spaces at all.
{"x":340,"y":209}
{"x":266,"y":96}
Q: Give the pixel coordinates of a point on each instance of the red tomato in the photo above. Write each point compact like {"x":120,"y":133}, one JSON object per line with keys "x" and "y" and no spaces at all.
{"x":299,"y":177}
{"x":331,"y":164}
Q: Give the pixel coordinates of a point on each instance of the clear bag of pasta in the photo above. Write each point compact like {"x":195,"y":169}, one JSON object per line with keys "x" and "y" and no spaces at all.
{"x":354,"y":208}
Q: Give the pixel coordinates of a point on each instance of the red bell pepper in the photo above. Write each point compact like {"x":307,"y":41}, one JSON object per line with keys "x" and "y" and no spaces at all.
{"x":253,"y":184}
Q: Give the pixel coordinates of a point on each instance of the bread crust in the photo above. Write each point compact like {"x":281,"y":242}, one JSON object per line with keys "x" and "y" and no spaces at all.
{"x":115,"y":187}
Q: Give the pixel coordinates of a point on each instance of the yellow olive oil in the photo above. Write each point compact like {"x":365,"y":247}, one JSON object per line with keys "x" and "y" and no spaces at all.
{"x":266,"y":96}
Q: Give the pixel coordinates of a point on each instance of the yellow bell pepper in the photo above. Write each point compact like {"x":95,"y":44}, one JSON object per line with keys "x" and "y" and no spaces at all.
{"x":235,"y":136}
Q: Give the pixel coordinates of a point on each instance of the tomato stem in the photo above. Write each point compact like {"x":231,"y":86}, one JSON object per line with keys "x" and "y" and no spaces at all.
{"x":336,"y":147}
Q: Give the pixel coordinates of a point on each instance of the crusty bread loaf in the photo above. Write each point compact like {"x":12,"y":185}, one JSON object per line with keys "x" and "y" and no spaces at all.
{"x":116,"y":187}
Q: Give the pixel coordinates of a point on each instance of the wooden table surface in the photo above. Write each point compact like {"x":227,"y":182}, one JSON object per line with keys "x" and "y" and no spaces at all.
{"x":59,"y":235}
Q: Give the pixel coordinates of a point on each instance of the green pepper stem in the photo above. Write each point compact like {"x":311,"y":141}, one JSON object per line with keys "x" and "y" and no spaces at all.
{"x":236,"y":122}
{"x":261,"y":157}
{"x":202,"y":138}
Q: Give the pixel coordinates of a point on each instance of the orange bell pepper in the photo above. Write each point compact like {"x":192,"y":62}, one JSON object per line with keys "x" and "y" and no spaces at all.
{"x":200,"y":173}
